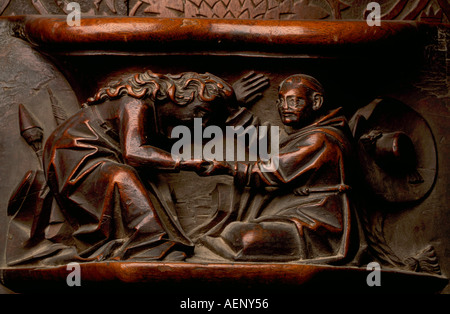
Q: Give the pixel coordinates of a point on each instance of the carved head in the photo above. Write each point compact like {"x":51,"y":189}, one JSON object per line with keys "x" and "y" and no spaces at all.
{"x":192,"y":95}
{"x":300,"y":99}
{"x":177,"y":97}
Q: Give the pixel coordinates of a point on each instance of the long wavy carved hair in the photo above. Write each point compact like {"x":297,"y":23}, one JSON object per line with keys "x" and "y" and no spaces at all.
{"x":181,"y":88}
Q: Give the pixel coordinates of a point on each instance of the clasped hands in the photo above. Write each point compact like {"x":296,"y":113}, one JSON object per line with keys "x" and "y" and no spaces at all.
{"x":206,"y":168}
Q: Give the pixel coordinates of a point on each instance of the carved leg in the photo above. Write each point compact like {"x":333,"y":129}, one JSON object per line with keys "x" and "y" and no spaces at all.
{"x":122,"y":221}
{"x":269,"y":241}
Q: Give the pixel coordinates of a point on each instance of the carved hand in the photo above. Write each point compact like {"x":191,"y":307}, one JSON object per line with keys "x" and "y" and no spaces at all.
{"x":197,"y":165}
{"x":215,"y":167}
{"x":249,"y":88}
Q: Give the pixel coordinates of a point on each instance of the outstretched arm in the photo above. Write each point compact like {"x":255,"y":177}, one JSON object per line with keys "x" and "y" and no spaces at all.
{"x":296,"y":165}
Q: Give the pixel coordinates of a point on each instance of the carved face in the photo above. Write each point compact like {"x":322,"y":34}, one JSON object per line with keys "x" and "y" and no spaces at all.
{"x":295,"y":106}
{"x":172,"y":115}
{"x":196,"y":109}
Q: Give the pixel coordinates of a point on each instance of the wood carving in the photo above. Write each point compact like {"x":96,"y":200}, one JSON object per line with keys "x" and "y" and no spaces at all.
{"x":307,"y":216}
{"x":99,"y":183}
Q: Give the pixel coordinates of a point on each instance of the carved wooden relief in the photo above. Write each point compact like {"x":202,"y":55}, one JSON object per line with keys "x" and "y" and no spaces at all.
{"x":270,"y":153}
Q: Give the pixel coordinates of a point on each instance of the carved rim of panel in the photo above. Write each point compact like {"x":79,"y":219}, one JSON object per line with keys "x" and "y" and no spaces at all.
{"x":271,"y":38}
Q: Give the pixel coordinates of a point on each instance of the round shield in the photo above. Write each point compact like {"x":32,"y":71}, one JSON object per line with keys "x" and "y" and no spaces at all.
{"x":396,"y":150}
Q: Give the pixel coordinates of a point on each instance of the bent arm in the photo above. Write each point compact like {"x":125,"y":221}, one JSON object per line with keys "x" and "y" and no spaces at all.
{"x":136,"y":152}
{"x":132,"y":137}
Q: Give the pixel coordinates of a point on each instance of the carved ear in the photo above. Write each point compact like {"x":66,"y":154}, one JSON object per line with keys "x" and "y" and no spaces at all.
{"x":317,"y":101}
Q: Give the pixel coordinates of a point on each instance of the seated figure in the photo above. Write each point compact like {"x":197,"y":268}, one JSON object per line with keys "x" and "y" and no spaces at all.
{"x":301,"y":209}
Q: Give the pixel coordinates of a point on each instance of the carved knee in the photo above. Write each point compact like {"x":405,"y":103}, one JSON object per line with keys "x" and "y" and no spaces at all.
{"x":266,"y":240}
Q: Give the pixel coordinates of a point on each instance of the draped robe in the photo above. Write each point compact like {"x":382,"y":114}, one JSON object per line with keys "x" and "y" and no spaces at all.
{"x":301,"y":210}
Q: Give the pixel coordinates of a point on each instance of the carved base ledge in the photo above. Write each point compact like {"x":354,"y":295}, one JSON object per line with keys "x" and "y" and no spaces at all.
{"x":176,"y":277}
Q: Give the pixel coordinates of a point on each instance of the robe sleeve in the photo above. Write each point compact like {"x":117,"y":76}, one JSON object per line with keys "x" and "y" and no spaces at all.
{"x":135,"y":152}
{"x":297,"y":164}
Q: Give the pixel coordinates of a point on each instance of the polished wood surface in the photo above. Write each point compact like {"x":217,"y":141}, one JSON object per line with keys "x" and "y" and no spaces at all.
{"x":336,"y":41}
{"x":204,"y":278}
{"x":271,"y":36}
